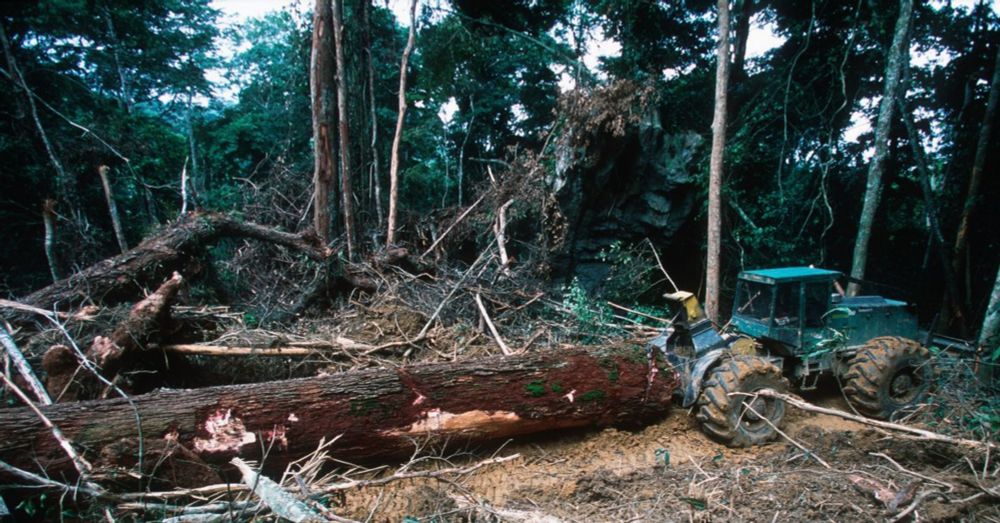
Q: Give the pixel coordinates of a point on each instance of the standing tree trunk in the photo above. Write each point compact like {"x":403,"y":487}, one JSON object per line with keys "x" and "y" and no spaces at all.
{"x":746,"y":11}
{"x":976,"y":178}
{"x":898,"y":56}
{"x":390,"y":238}
{"x":376,"y":172}
{"x":49,"y":220}
{"x":715,"y":168}
{"x":196,"y":182}
{"x":989,"y":335}
{"x":116,"y":222}
{"x":65,"y":181}
{"x":320,"y":74}
{"x":347,"y":195}
{"x":124,"y":97}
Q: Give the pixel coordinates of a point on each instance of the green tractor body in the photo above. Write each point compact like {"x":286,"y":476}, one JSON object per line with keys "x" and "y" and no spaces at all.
{"x":795,"y":313}
{"x":792,"y":325}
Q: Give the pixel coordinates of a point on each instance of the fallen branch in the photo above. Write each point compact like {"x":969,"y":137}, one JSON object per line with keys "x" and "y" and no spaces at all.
{"x":452,"y":226}
{"x":279,"y":500}
{"x":222,"y":350}
{"x":493,"y":329}
{"x":117,"y":351}
{"x":920,"y":433}
{"x":46,"y":482}
{"x":451,"y":471}
{"x":83,"y":467}
{"x":440,"y":307}
{"x":123,"y":277}
{"x":782,"y":433}
{"x":84,"y":314}
{"x":19,"y":361}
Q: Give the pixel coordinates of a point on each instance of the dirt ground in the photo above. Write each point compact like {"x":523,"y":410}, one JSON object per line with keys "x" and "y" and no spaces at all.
{"x":670,"y":471}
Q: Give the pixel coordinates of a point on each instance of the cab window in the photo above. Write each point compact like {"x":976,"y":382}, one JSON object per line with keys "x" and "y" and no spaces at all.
{"x":786,"y":307}
{"x":817,"y":303}
{"x":753,"y":300}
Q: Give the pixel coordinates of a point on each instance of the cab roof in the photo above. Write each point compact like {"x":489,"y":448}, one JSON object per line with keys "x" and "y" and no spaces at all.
{"x":787,"y":274}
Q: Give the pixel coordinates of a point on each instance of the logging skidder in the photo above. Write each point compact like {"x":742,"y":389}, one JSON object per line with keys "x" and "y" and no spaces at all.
{"x":793,"y":324}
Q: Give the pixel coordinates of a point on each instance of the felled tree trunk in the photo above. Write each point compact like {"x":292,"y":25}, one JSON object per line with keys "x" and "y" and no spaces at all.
{"x":116,"y":351}
{"x":123,"y":277}
{"x":377,"y":413}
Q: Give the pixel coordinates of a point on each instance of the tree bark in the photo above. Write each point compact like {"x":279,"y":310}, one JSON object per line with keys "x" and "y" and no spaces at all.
{"x":122,"y":278}
{"x":117,"y":351}
{"x":989,"y":335}
{"x":976,"y":178}
{"x":320,"y":77}
{"x":377,"y":413}
{"x":934,"y":224}
{"x":346,"y":194}
{"x":746,"y":11}
{"x":716,"y":164}
{"x":23,"y":367}
{"x":899,"y":55}
{"x":394,"y":160}
{"x":376,"y":172}
{"x":49,"y":220}
{"x":109,"y":197}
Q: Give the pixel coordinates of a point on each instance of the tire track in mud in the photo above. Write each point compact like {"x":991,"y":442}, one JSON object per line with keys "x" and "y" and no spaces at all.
{"x":552,"y":466}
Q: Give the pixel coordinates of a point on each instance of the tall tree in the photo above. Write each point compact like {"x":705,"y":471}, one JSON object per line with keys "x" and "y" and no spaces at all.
{"x":320,"y":73}
{"x":899,"y":54}
{"x":346,"y":193}
{"x":976,"y":177}
{"x":715,"y":166}
{"x":376,"y":170}
{"x":989,"y":335}
{"x":65,"y":180}
{"x":394,"y":161}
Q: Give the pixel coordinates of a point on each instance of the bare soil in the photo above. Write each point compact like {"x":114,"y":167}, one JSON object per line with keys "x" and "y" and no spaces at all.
{"x":671,"y":471}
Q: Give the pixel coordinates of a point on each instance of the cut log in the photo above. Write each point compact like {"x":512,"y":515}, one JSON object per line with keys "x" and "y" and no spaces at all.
{"x":114,"y":352}
{"x":377,"y":413}
{"x":122,"y":278}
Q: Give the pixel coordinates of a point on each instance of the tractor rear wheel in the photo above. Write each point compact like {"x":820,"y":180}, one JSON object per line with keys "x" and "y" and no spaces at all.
{"x":742,"y":420}
{"x":888,"y":375}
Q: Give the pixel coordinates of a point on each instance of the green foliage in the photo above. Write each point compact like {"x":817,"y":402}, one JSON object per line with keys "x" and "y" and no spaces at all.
{"x":591,"y":318}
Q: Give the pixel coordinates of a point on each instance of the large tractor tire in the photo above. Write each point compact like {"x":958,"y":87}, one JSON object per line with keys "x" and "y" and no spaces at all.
{"x":726,"y":417}
{"x":888,"y":375}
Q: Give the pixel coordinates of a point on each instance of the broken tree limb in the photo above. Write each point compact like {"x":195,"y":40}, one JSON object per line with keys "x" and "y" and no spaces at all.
{"x":114,"y":352}
{"x":122,"y":277}
{"x":83,"y":467}
{"x":493,"y":328}
{"x":222,"y":350}
{"x":23,"y":368}
{"x":378,"y":413}
{"x":294,"y":348}
{"x":920,"y":433}
{"x":453,"y":224}
{"x":279,"y":500}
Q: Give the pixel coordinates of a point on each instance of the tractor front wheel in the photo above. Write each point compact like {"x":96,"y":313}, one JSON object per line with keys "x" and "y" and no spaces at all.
{"x":727,"y":408}
{"x":887,"y":375}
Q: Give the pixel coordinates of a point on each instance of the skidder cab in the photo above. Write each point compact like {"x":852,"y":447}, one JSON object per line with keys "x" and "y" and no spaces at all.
{"x":793,"y":325}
